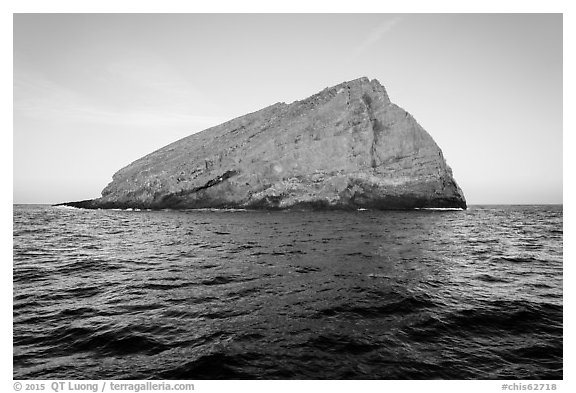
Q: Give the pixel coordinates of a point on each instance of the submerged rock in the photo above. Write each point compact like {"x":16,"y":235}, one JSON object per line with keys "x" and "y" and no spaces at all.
{"x":345,"y":147}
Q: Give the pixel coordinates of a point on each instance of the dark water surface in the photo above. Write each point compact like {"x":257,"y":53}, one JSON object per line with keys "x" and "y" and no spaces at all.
{"x":288,"y":295}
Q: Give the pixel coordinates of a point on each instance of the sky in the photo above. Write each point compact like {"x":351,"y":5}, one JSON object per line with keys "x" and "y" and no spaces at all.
{"x":94,"y":92}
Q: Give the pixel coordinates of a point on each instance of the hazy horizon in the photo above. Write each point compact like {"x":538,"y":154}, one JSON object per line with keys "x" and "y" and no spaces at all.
{"x":94,"y":92}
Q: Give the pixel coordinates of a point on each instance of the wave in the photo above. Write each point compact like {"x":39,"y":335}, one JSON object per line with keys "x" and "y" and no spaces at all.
{"x":211,"y":366}
{"x":340,"y":343}
{"x":379,"y":309}
{"x":495,"y":319}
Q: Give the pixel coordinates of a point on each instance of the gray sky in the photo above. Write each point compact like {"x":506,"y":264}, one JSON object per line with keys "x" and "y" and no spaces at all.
{"x":94,"y":92}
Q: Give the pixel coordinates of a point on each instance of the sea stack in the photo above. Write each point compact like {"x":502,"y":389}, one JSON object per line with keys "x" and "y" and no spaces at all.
{"x":347,"y":147}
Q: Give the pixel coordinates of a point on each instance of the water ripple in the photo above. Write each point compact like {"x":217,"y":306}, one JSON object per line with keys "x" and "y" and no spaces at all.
{"x":473,"y":294}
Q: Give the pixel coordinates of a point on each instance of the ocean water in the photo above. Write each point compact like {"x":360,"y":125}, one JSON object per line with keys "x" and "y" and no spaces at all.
{"x":101,"y":294}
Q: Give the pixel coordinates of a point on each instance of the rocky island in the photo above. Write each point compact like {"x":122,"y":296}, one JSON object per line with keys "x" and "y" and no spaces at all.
{"x":346,"y":147}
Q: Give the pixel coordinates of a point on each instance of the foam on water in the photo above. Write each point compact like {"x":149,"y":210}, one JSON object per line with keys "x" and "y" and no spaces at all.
{"x":439,"y":208}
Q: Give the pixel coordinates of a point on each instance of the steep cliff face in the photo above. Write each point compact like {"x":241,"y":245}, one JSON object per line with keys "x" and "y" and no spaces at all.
{"x":345,"y":147}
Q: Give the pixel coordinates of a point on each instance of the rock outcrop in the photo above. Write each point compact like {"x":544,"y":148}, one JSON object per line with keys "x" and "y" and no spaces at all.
{"x":345,"y":147}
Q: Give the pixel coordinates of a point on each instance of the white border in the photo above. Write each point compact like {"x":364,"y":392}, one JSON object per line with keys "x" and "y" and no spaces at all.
{"x":302,"y":6}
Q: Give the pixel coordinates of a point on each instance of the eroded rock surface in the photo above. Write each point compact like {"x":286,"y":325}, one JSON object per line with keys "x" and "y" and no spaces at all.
{"x":345,"y":147}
